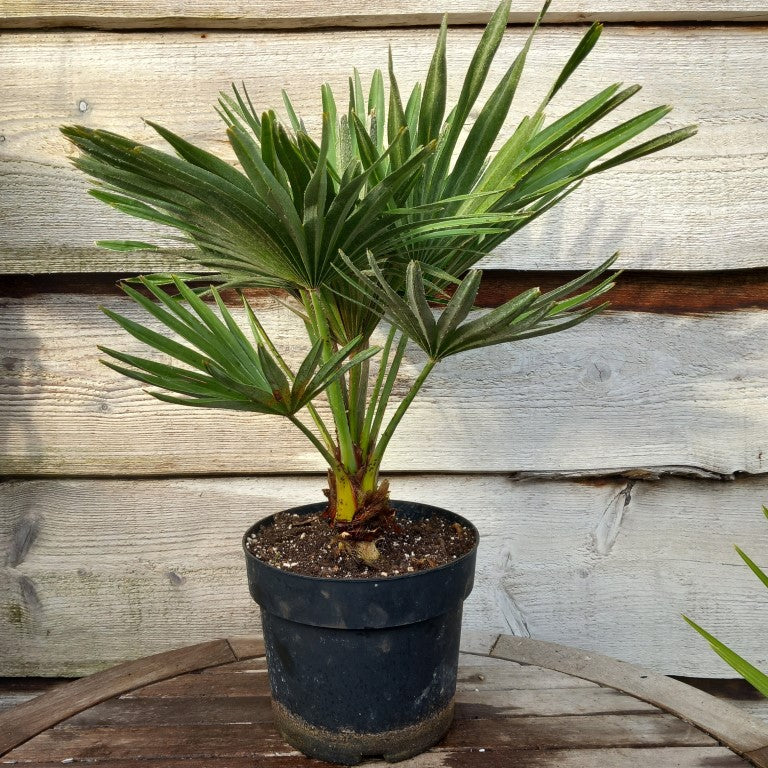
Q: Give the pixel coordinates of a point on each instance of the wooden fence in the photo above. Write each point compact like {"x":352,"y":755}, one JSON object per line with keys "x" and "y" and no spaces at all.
{"x":610,"y":468}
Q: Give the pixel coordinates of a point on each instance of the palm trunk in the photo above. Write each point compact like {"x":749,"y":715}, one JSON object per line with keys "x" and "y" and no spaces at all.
{"x":357,"y":497}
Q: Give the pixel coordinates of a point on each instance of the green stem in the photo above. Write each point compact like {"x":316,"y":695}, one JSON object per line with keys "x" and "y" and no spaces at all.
{"x":335,"y":397}
{"x":381,"y":406}
{"x":319,"y":423}
{"x":362,"y":396}
{"x":368,"y":423}
{"x":326,"y":454}
{"x":381,"y":446}
{"x":358,"y":383}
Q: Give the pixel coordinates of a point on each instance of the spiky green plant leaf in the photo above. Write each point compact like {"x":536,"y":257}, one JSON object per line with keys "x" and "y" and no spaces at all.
{"x":749,"y":672}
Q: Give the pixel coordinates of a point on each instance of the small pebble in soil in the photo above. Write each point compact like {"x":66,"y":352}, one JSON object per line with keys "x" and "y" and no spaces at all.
{"x":309,"y":545}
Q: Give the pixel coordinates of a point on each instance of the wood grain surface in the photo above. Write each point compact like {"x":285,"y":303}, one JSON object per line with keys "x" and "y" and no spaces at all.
{"x":736,"y":691}
{"x":458,"y":757}
{"x":101,"y":571}
{"x":699,"y":205}
{"x":625,"y":391}
{"x":505,"y":714}
{"x":282,"y":14}
{"x":727,"y":724}
{"x":32,"y":717}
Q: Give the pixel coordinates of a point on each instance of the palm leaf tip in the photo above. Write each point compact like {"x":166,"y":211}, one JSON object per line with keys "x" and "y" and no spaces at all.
{"x":754,"y":567}
{"x":749,"y":672}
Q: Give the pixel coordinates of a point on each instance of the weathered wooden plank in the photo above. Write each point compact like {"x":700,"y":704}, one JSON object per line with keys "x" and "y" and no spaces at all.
{"x":737,"y":692}
{"x":688,"y":390}
{"x":282,"y":14}
{"x":437,"y":757}
{"x":177,"y":711}
{"x":757,"y":707}
{"x":547,"y":703}
{"x":727,"y":724}
{"x":114,"y":570}
{"x":578,"y":731}
{"x":476,"y":676}
{"x":246,"y":646}
{"x":642,"y":552}
{"x":15,"y":690}
{"x":702,"y":205}
{"x":255,"y":739}
{"x":256,"y":708}
{"x":477,"y":642}
{"x":28,"y":719}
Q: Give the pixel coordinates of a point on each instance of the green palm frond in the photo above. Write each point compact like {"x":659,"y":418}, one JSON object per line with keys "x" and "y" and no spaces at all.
{"x":224,"y":369}
{"x":527,"y":315}
{"x":381,"y":179}
{"x":384,"y":216}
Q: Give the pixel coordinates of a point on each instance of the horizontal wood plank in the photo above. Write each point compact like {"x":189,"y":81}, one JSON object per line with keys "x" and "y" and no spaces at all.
{"x":282,"y":14}
{"x":102,"y":571}
{"x":476,"y":677}
{"x":239,"y":740}
{"x":499,"y":757}
{"x":17,"y":690}
{"x":699,"y":205}
{"x":254,"y":708}
{"x":623,"y":391}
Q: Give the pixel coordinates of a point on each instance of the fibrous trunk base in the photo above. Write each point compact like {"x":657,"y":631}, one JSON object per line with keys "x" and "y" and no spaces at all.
{"x":357,"y":505}
{"x":349,"y":748}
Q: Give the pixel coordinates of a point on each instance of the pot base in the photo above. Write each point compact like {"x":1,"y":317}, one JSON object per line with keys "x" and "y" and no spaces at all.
{"x":349,"y":748}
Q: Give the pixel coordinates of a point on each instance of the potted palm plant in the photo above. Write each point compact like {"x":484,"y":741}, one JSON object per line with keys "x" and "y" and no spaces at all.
{"x":379,"y":223}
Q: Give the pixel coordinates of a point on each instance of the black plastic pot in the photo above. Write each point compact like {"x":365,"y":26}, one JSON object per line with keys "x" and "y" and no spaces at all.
{"x":362,"y":667}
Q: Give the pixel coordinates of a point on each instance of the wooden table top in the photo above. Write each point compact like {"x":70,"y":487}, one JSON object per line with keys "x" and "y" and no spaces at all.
{"x":520,"y":702}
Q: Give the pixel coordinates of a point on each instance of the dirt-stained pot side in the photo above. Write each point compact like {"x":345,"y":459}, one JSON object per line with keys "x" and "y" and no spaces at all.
{"x":363,"y":667}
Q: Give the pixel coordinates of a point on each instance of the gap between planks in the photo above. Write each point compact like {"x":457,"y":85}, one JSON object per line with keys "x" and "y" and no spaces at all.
{"x":657,"y":291}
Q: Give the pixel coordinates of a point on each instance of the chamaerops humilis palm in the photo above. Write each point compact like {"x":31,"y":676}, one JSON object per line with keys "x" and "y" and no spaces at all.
{"x":383,"y":220}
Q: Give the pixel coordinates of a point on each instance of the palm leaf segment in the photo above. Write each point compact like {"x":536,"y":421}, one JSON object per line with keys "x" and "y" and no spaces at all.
{"x":527,"y":315}
{"x":225,"y":369}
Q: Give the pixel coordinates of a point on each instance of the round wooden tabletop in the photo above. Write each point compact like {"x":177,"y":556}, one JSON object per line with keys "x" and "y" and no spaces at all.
{"x":520,"y":702}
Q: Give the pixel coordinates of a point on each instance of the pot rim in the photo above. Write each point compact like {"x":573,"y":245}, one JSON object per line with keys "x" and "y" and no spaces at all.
{"x":361,"y":579}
